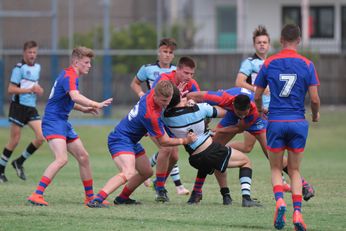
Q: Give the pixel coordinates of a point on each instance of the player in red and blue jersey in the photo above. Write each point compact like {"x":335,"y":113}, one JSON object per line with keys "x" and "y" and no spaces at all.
{"x":168,"y":156}
{"x":289,"y":76}
{"x":128,"y":154}
{"x":59,"y":133}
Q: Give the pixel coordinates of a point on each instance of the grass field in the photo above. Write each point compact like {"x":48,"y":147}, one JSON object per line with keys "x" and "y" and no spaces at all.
{"x":323,"y":166}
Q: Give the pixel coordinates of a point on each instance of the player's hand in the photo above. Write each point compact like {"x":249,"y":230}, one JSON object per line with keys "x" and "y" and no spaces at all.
{"x":191,"y":137}
{"x":37,"y":89}
{"x":105,"y":103}
{"x":315,"y":118}
{"x":91,"y":110}
{"x":190,"y":103}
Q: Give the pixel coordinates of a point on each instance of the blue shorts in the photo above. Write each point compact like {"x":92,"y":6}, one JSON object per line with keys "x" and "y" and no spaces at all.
{"x":287,"y":135}
{"x":62,"y":129}
{"x":231,"y":119}
{"x":121,"y":145}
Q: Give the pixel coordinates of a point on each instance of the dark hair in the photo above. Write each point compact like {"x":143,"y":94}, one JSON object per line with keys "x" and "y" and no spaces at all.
{"x":169,"y":42}
{"x":259,"y":31}
{"x":186,"y":61}
{"x":29,"y":44}
{"x":242,"y":102}
{"x":175,"y":97}
{"x":290,"y":32}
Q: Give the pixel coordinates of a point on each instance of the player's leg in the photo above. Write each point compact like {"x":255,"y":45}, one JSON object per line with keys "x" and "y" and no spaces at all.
{"x":246,"y":145}
{"x":144,"y":171}
{"x":76,"y":148}
{"x":59,"y":149}
{"x":15,"y":133}
{"x":239,"y":159}
{"x":17,"y":164}
{"x":196,"y":195}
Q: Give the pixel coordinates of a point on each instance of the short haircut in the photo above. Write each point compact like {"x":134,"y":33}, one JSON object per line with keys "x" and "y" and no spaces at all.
{"x":290,"y":32}
{"x":29,"y":44}
{"x":242,"y":102}
{"x":164,"y":88}
{"x":259,"y":31}
{"x":186,"y":61}
{"x":169,"y":42}
{"x":81,"y":52}
{"x":175,"y":98}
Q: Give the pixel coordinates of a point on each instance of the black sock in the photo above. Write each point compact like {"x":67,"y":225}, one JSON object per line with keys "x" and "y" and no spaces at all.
{"x":285,"y":170}
{"x":224,"y":191}
{"x":30,"y":150}
{"x":6,"y":154}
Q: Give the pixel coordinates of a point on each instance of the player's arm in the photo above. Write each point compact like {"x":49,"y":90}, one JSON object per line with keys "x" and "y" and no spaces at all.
{"x":14,"y":89}
{"x":136,"y":87}
{"x":258,"y":98}
{"x":233,"y":129}
{"x":83,"y":109}
{"x":165,"y":140}
{"x":85,"y":102}
{"x":241,"y":82}
{"x":197,"y":96}
{"x":220,"y":112}
{"x":315,"y":103}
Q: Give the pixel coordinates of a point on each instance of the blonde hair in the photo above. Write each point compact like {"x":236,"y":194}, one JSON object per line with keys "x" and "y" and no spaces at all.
{"x":164,"y":88}
{"x":81,"y":52}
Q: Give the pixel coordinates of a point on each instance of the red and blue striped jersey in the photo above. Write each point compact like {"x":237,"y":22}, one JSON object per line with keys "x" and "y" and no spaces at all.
{"x":226,"y":98}
{"x":60,"y":104}
{"x":145,"y":117}
{"x":191,"y":86}
{"x":289,"y":76}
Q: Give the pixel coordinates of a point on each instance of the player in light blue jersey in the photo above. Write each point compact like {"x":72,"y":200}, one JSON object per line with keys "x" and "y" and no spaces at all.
{"x":205,"y":155}
{"x":24,"y":88}
{"x":148,"y":74}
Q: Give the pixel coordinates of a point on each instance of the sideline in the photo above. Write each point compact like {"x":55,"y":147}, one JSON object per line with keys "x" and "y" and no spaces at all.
{"x":75,"y":122}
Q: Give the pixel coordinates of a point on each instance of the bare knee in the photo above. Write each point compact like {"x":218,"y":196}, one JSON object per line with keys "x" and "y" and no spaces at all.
{"x":248,"y":148}
{"x":61,"y":162}
{"x":83,"y":158}
{"x":129,"y":173}
{"x":38,"y":141}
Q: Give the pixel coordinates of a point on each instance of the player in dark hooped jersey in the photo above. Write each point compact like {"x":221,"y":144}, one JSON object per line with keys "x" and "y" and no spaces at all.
{"x":205,"y":154}
{"x":236,"y":120}
{"x":24,"y":88}
{"x":148,"y":74}
{"x":59,"y":132}
{"x":289,"y":76}
{"x":168,"y":156}
{"x":128,"y":154}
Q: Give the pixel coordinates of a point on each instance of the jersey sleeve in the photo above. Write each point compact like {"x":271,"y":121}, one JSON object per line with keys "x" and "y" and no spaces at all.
{"x":70,"y":83}
{"x":218,"y":98}
{"x":193,"y":86}
{"x":142,"y":74}
{"x":207,"y":110}
{"x":246,"y":67}
{"x":313,"y":75}
{"x":261,"y":79}
{"x":155,"y":127}
{"x":16,"y":76}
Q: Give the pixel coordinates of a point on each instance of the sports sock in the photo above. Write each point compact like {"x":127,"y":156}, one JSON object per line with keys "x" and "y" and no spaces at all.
{"x":88,"y":188}
{"x":176,"y":176}
{"x":285,"y":169}
{"x":278,"y":192}
{"x":153,"y":159}
{"x":245,"y":179}
{"x":199,"y":181}
{"x":42,"y":185}
{"x":101,"y":196}
{"x":224,"y":191}
{"x":297,"y":202}
{"x":6,"y":154}
{"x":26,"y":154}
{"x":160,"y":181}
{"x":125,"y":194}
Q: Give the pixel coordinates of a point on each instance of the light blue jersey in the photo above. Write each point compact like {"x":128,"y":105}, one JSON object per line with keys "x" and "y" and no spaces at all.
{"x":181,"y":120}
{"x":25,"y":76}
{"x":149,"y":72}
{"x":250,"y":67}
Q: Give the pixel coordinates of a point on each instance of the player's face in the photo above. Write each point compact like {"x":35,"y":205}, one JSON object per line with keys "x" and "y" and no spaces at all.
{"x":161,"y":100}
{"x":241,"y":114}
{"x":30,"y":55}
{"x":184,"y":74}
{"x":262,"y":44}
{"x":83,"y":65}
{"x":165,"y":55}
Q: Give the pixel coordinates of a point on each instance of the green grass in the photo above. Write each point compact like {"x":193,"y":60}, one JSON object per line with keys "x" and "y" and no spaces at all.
{"x":323,"y":166}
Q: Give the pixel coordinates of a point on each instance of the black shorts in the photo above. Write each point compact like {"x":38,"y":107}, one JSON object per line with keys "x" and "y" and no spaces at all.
{"x":216,"y":156}
{"x":21,"y":115}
